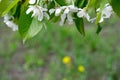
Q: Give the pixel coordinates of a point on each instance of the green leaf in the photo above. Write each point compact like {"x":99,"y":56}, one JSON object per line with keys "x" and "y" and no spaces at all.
{"x":24,"y":4}
{"x":79,"y":21}
{"x":35,"y":27}
{"x":24,"y":23}
{"x":79,"y":24}
{"x":61,"y":2}
{"x":51,"y":5}
{"x":99,"y":29}
{"x":6,"y":6}
{"x":29,"y":27}
{"x":81,"y":3}
{"x":116,"y":6}
{"x":93,"y":3}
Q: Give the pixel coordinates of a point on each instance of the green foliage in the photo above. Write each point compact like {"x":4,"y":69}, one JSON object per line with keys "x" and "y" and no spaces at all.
{"x":24,"y":23}
{"x":61,"y":2}
{"x":29,"y":27}
{"x":79,"y":21}
{"x":81,"y":3}
{"x":99,"y":29}
{"x":80,"y":25}
{"x":6,"y":6}
{"x":93,"y":3}
{"x":116,"y":6}
{"x":34,"y":28}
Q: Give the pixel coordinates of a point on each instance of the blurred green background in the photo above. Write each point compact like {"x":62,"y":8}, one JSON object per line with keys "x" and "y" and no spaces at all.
{"x":41,"y":58}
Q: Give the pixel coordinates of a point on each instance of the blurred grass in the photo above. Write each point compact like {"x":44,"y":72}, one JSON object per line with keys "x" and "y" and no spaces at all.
{"x":40,"y":58}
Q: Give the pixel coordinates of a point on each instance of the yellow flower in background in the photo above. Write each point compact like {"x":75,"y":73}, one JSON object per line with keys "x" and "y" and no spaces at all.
{"x":81,"y":68}
{"x":66,"y":60}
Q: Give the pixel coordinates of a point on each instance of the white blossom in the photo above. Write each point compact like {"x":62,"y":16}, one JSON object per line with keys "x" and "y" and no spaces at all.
{"x":82,"y":13}
{"x":9,"y":22}
{"x":38,"y":11}
{"x":51,"y":11}
{"x":65,"y":12}
{"x":106,"y":12}
{"x":92,"y":20}
{"x":33,"y":1}
{"x":57,"y":11}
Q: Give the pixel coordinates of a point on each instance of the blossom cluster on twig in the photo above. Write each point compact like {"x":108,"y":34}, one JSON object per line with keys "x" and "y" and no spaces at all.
{"x":65,"y":13}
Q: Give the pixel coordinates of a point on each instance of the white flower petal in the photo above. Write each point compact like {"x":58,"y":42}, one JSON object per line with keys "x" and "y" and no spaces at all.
{"x":98,"y":10}
{"x":69,"y":19}
{"x":57,"y":12}
{"x":101,"y":20}
{"x":32,"y":1}
{"x":8,"y":23}
{"x":80,"y":14}
{"x":107,"y":12}
{"x":63,"y":7}
{"x":51,"y":11}
{"x":8,"y":20}
{"x":67,"y":10}
{"x":83,"y":13}
{"x":107,"y":4}
{"x":43,"y":9}
{"x":87,"y":16}
{"x":63,"y":17}
{"x":30,"y":9}
{"x":73,"y":8}
{"x":38,"y":12}
{"x":40,"y":16}
{"x":12,"y":25}
{"x":92,"y":20}
{"x":15,"y":27}
{"x":46,"y":15}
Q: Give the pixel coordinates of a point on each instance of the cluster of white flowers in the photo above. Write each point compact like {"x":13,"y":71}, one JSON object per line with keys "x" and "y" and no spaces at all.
{"x":37,"y":10}
{"x":65,"y":12}
{"x":8,"y":20}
